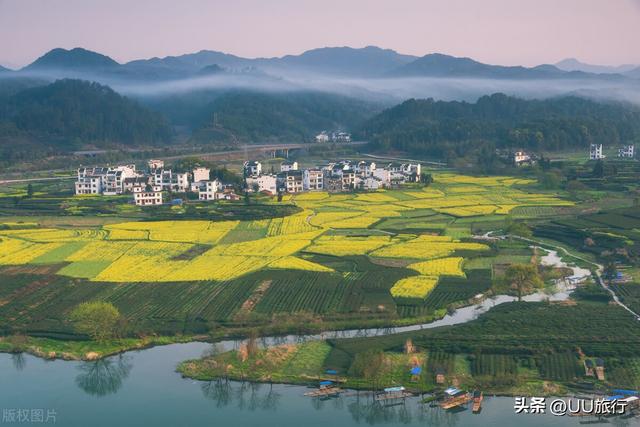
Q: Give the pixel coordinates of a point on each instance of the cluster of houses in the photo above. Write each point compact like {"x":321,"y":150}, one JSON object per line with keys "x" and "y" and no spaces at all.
{"x":332,"y":177}
{"x":624,"y":152}
{"x":148,"y":186}
{"x":337,"y":136}
{"x":522,"y":158}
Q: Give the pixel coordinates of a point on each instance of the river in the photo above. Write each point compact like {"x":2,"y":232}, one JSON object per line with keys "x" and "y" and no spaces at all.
{"x":141,"y":388}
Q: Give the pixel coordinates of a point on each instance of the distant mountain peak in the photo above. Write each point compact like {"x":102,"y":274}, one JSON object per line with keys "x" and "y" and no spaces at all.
{"x":77,"y":59}
{"x":573,"y":64}
{"x":442,"y":65}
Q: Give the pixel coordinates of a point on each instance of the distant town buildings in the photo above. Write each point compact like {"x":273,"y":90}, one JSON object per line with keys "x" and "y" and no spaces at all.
{"x":322,"y":137}
{"x":337,"y":136}
{"x":332,"y":177}
{"x":595,"y":152}
{"x":627,"y":151}
{"x":148,"y":187}
{"x":101,"y":180}
{"x":523,"y":158}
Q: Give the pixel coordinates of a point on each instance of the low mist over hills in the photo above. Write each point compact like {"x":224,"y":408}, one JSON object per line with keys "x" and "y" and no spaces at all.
{"x":370,"y":73}
{"x":213,"y":97}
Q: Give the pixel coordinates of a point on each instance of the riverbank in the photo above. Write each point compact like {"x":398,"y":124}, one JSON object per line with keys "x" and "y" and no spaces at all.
{"x":51,"y":349}
{"x":304,"y":364}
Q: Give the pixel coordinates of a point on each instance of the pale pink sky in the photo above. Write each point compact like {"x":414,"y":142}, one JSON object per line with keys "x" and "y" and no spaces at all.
{"x":527,"y":32}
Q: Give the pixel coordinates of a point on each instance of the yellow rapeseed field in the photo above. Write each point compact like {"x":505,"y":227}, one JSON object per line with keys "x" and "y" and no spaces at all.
{"x":158,"y":251}
{"x":414,"y":287}
{"x":426,"y":248}
{"x":345,"y":245}
{"x":295,"y":263}
{"x":439,"y":267}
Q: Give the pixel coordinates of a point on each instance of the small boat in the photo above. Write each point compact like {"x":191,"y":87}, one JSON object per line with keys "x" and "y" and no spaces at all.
{"x":477,"y":401}
{"x":456,"y":398}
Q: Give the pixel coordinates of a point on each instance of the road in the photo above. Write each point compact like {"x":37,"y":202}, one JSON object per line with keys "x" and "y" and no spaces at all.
{"x":405,"y":160}
{"x":261,"y":147}
{"x":17,"y":181}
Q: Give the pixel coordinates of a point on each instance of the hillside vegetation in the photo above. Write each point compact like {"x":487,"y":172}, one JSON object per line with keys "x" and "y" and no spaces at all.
{"x":69,"y":114}
{"x":255,"y":117}
{"x":450,"y":129}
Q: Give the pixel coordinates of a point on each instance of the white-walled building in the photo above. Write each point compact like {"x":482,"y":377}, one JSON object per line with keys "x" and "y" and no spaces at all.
{"x":627,"y":151}
{"x":89,"y":184}
{"x":595,"y":152}
{"x":101,"y":180}
{"x":209,"y":190}
{"x":322,"y":137}
{"x":201,"y":174}
{"x":521,"y":157}
{"x":155,"y":164}
{"x":252,"y":168}
{"x":263,"y":183}
{"x":288,"y":166}
{"x":113,"y":181}
{"x":147,"y":196}
{"x":313,"y":180}
{"x":171,"y":181}
{"x":364,"y":168}
{"x":291,"y":181}
{"x":370,"y":183}
{"x":383,"y":175}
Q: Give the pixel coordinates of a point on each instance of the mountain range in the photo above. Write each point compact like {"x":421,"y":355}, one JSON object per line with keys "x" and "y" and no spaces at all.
{"x":572,"y":64}
{"x":367,"y":62}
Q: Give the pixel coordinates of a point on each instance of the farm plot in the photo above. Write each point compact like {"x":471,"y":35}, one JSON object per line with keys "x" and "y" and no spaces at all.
{"x":347,"y":245}
{"x":439,"y":267}
{"x":414,"y":287}
{"x":494,"y":365}
{"x":427,"y":247}
{"x":560,"y":366}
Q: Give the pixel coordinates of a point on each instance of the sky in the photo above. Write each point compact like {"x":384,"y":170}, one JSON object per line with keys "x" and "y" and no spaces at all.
{"x":507,"y":32}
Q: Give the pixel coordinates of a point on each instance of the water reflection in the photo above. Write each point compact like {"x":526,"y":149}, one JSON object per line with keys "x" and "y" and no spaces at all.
{"x":103,"y":377}
{"x":19,"y":361}
{"x":245,"y":395}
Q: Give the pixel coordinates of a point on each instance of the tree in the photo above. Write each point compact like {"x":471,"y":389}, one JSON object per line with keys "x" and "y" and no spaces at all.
{"x":97,"y":319}
{"x":610,"y":271}
{"x":549,"y":180}
{"x":523,"y":278}
{"x":426,"y":179}
{"x":29,"y":191}
{"x":598,"y":169}
{"x":517,"y":228}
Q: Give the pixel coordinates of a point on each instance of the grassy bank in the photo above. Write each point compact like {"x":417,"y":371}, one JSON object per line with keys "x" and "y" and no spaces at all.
{"x":48,"y":348}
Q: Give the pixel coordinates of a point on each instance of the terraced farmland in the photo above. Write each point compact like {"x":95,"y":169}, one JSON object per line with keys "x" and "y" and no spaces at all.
{"x":399,"y":253}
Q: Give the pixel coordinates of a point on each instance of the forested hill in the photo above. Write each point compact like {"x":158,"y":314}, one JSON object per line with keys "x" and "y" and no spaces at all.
{"x":255,"y":117}
{"x":71,"y":114}
{"x":448,"y":129}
